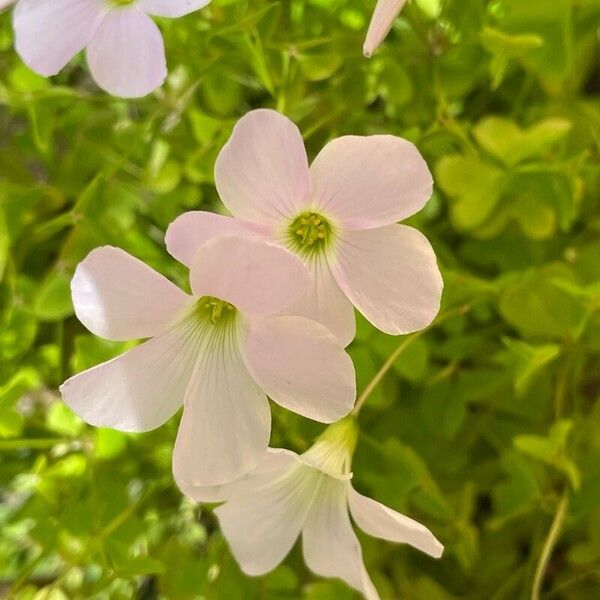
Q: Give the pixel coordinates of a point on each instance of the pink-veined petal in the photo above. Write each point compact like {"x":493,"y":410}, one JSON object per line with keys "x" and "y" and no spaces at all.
{"x":261,"y":173}
{"x":368,"y":182}
{"x":256,"y":277}
{"x":262,"y":522}
{"x":137,"y":391}
{"x":391,"y":276}
{"x":301,"y":366}
{"x":329,"y":544}
{"x":126,"y":55}
{"x":49,"y":33}
{"x":191,"y":230}
{"x":226,"y":420}
{"x":383,"y":522}
{"x":324,"y":301}
{"x":118,"y":297}
{"x":171,"y":8}
{"x":382,"y":20}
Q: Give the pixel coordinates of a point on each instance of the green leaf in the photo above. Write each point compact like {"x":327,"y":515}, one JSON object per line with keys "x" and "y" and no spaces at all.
{"x":474,"y":187}
{"x":53,"y":300}
{"x":511,"y":144}
{"x":552,"y":449}
{"x":529,"y":361}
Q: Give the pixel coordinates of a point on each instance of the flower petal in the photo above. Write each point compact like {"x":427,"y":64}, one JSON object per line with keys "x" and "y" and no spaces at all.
{"x":127,"y":55}
{"x":6,"y":3}
{"x":367,"y":182}
{"x":329,"y":545}
{"x":262,"y":524}
{"x":137,"y":391}
{"x":118,"y":297}
{"x":383,"y":522}
{"x":262,"y":172}
{"x":171,"y":8}
{"x":226,"y":420}
{"x":301,"y":366}
{"x":49,"y":33}
{"x":272,"y":464}
{"x":383,"y":18}
{"x":256,"y":277}
{"x":191,"y":230}
{"x":391,"y":276}
{"x":324,"y":301}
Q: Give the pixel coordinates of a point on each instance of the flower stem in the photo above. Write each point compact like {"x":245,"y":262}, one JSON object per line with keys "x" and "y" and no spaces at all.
{"x":460,"y":310}
{"x":549,"y":543}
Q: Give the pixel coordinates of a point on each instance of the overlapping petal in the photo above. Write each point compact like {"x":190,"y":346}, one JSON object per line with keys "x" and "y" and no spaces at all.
{"x":261,"y":173}
{"x":139,"y":390}
{"x":49,"y":33}
{"x":301,"y":366}
{"x":367,"y":182}
{"x":118,"y":297}
{"x":226,"y":422}
{"x":190,"y":231}
{"x":381,"y":23}
{"x":256,"y":277}
{"x":329,"y":544}
{"x":380,"y":521}
{"x":171,"y":8}
{"x":391,"y":276}
{"x":262,"y":523}
{"x":126,"y":55}
{"x":324,"y":301}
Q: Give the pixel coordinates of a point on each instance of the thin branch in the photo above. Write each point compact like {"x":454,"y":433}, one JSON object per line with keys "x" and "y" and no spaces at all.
{"x":549,"y":543}
{"x":461,"y":310}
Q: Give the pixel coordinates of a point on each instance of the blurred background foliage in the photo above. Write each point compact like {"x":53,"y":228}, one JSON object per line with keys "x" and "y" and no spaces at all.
{"x":487,"y":429}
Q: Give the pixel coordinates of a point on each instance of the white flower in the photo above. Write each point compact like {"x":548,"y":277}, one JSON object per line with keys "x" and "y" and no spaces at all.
{"x":217,"y":352}
{"x":339,"y":216}
{"x":125,"y":49}
{"x":310,"y":495}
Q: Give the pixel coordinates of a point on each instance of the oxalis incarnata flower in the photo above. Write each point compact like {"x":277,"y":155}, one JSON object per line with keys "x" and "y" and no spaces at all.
{"x":383,"y":18}
{"x":339,"y":216}
{"x":125,"y":50}
{"x":310,"y":495}
{"x":217,"y":352}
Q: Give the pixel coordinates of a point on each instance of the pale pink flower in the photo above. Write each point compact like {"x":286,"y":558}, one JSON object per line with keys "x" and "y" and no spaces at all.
{"x":310,"y":495}
{"x":381,"y":22}
{"x":339,"y":216}
{"x":217,"y":352}
{"x":125,"y":50}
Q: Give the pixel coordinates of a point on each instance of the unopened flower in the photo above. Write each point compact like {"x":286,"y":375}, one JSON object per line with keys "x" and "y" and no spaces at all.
{"x":339,"y":216}
{"x":217,"y":352}
{"x":381,"y":22}
{"x":125,"y":50}
{"x":310,"y":495}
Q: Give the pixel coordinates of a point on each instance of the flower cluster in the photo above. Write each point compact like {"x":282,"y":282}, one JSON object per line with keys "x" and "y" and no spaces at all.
{"x":271,"y":310}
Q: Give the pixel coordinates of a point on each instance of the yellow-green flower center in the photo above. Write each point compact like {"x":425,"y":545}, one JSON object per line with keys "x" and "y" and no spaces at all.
{"x":121,"y":2}
{"x":215,"y":311}
{"x":309,"y":234}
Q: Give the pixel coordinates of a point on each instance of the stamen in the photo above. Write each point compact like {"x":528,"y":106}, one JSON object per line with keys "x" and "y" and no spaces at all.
{"x":309,"y":234}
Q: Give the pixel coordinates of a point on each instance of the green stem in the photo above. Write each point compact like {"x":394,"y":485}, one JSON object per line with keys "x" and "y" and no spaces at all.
{"x":549,"y":543}
{"x":461,"y":310}
{"x":39,"y":443}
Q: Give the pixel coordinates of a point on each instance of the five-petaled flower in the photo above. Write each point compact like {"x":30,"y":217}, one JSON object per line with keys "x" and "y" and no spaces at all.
{"x":125,"y":50}
{"x":288,"y":495}
{"x":217,"y":352}
{"x":381,"y":22}
{"x":339,"y":216}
